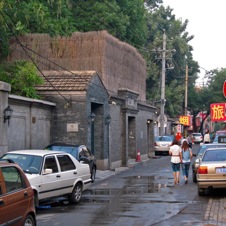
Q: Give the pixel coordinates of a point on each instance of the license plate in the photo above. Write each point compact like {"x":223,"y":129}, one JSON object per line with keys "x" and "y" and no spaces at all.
{"x":221,"y":170}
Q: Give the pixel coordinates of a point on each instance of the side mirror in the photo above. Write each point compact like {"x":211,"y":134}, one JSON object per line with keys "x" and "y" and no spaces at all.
{"x":48,"y":171}
{"x":194,"y":155}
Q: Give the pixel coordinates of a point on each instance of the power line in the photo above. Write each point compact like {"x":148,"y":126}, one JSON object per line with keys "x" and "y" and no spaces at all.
{"x":22,"y":46}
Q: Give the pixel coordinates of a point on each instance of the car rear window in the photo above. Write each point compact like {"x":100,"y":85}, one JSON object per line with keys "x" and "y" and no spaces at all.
{"x":162,"y":138}
{"x":197,"y":134}
{"x":215,"y":155}
{"x":204,"y":147}
{"x":221,"y":132}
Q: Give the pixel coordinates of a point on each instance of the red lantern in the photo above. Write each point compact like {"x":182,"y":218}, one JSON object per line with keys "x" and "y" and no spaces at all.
{"x":178,"y":136}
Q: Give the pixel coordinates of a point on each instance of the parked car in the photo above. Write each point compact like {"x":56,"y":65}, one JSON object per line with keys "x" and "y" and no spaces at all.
{"x":80,"y":152}
{"x":197,"y":137}
{"x":16,"y":196}
{"x":162,"y":144}
{"x":212,"y":170}
{"x":52,"y":174}
{"x":218,"y":133}
{"x":199,"y":154}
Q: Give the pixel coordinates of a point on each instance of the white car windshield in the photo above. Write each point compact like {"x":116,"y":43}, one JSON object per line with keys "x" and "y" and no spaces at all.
{"x":29,"y":163}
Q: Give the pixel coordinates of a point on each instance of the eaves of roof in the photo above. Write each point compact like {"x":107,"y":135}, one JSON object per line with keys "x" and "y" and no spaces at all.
{"x":66,"y":80}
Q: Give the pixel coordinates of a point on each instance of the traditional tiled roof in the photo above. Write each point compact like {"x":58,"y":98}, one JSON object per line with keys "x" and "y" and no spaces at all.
{"x":66,"y":80}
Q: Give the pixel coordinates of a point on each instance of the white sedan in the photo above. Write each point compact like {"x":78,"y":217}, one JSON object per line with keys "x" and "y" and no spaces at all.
{"x":52,"y":173}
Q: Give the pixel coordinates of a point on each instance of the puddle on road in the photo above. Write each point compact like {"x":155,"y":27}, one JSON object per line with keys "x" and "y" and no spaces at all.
{"x":134,"y":185}
{"x":117,"y":200}
{"x":120,"y":202}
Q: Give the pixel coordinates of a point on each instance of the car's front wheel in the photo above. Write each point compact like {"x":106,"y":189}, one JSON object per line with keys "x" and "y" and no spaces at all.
{"x":29,"y":221}
{"x":76,"y":194}
{"x":93,"y":174}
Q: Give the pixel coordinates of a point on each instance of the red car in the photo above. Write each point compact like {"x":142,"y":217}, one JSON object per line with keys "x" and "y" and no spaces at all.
{"x":16,"y":196}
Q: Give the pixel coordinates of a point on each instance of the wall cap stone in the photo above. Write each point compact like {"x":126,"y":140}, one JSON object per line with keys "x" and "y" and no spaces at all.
{"x":15,"y":97}
{"x":5,"y":86}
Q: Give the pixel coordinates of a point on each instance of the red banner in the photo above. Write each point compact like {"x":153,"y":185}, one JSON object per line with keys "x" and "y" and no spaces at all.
{"x":217,"y":111}
{"x":185,"y":120}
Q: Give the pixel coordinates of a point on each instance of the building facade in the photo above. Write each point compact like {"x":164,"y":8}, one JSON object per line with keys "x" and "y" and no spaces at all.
{"x":114,"y":90}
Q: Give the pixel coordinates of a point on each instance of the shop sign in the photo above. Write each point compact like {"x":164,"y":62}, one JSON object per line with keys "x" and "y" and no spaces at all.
{"x":185,"y":120}
{"x":217,"y":111}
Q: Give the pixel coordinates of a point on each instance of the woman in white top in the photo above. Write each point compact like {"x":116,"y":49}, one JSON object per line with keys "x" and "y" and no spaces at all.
{"x":175,"y":152}
{"x":206,"y":138}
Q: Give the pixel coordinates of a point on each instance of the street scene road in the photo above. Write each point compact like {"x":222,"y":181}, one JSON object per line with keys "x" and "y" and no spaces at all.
{"x":144,"y":194}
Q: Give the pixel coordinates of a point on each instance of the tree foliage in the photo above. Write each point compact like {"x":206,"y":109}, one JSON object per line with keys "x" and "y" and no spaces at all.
{"x":140,"y":23}
{"x":163,"y":20}
{"x":22,"y":76}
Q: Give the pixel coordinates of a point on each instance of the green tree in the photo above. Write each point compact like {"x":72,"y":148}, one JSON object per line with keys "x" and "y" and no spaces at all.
{"x":22,"y":76}
{"x":137,"y":22}
{"x":215,"y":85}
{"x":38,"y":16}
{"x":124,"y":19}
{"x":162,"y":20}
{"x":211,"y":92}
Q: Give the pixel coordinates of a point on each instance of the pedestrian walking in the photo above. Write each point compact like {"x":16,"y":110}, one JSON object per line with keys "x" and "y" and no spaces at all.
{"x":186,"y":159}
{"x":189,"y":139}
{"x":176,"y":156}
{"x":206,"y":138}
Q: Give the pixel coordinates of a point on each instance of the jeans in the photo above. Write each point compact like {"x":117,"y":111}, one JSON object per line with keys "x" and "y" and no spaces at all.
{"x":175,"y":167}
{"x":185,"y":168}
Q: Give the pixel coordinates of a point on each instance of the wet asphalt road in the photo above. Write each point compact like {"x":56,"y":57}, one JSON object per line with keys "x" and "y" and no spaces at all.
{"x":143,"y":195}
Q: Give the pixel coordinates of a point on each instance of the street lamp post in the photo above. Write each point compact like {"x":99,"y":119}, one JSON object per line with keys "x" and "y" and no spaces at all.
{"x":108,"y":121}
{"x":92,"y":119}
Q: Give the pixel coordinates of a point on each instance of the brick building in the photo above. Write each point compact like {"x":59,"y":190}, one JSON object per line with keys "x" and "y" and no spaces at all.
{"x":89,"y":73}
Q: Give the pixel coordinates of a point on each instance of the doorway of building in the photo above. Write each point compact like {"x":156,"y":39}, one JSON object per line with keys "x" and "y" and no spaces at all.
{"x":131,"y":137}
{"x":97,"y":130}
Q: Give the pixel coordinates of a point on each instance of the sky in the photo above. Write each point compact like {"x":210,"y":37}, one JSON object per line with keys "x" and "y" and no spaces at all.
{"x":207,"y":22}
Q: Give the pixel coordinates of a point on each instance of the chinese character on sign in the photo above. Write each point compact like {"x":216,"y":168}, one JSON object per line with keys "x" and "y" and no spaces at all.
{"x":218,"y":112}
{"x":185,"y":120}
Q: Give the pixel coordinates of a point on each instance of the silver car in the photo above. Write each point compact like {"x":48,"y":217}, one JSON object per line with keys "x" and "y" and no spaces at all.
{"x":199,"y":154}
{"x":211,"y":172}
{"x":162,"y":144}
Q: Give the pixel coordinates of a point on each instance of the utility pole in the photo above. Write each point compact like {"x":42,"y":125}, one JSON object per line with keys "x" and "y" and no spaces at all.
{"x":162,"y":111}
{"x":163,"y":52}
{"x":186,"y":91}
{"x":186,"y":97}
